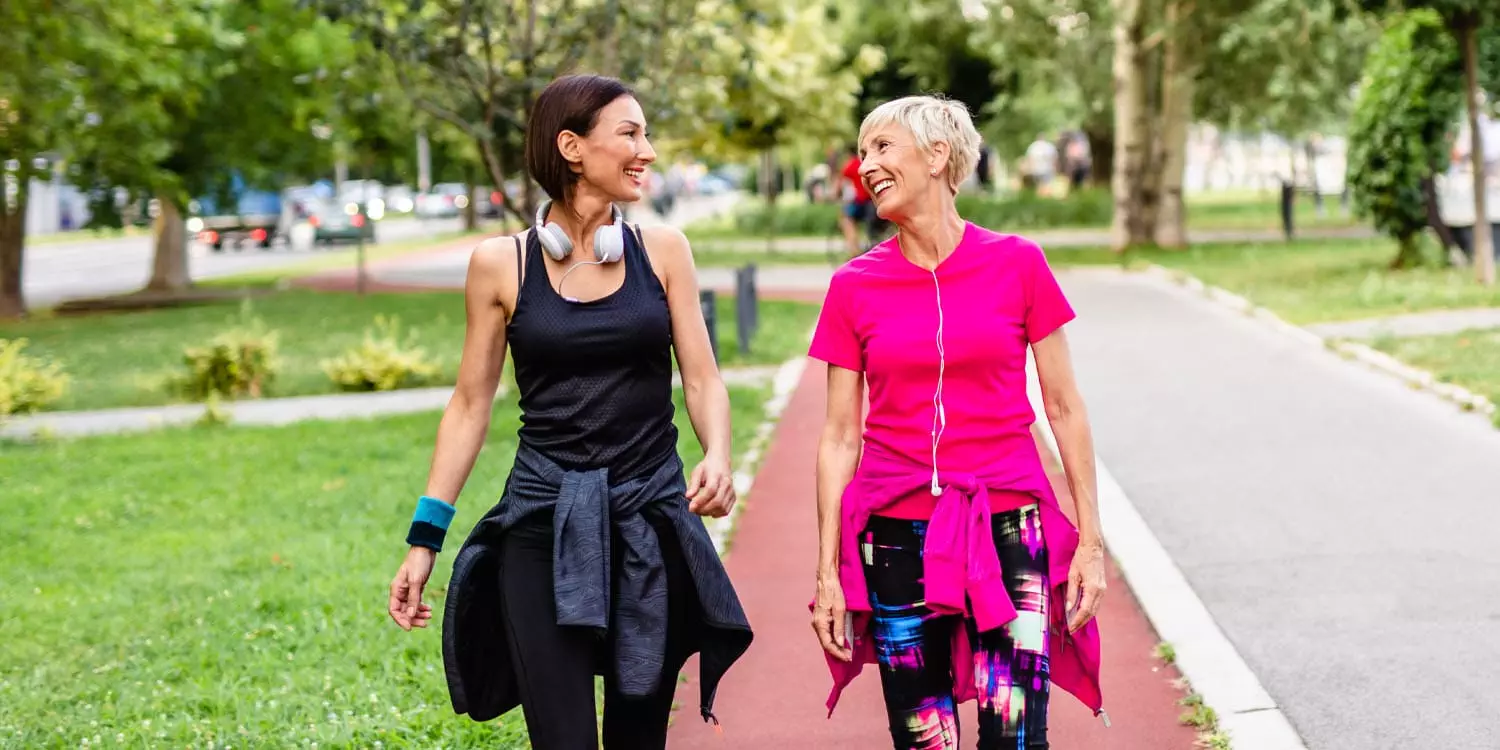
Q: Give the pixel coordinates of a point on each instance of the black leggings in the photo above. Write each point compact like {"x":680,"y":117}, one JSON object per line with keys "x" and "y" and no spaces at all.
{"x":556,"y":665}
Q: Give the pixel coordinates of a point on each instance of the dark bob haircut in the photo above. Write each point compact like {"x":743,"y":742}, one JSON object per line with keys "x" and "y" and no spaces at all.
{"x":568,"y":103}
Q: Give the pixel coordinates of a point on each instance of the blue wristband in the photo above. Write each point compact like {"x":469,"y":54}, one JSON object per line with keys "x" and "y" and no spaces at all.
{"x":429,"y":524}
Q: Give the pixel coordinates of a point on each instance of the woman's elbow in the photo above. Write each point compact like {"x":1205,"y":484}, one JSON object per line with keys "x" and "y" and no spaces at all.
{"x":1064,"y":407}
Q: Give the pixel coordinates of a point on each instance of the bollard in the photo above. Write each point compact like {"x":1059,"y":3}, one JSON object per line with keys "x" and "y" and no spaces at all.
{"x":746,"y":306}
{"x":1288,"y":196}
{"x":706,"y":302}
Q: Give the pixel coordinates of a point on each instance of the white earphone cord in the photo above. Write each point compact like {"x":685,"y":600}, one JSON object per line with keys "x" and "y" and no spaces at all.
{"x":570,"y":270}
{"x":939,"y":417}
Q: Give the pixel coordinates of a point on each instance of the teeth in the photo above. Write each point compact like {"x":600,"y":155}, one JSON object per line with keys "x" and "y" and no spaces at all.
{"x":880,"y":187}
{"x":635,"y":172}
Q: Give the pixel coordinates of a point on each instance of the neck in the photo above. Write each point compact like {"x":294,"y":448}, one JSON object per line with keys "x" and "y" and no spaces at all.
{"x":584,"y":213}
{"x":929,"y":238}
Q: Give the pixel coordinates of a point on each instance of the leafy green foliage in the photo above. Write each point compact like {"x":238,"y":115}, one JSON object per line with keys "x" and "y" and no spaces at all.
{"x":383,"y":361}
{"x":1408,"y":104}
{"x":27,"y":383}
{"x":929,"y":46}
{"x":787,"y":81}
{"x":238,"y":362}
{"x":1286,"y":65}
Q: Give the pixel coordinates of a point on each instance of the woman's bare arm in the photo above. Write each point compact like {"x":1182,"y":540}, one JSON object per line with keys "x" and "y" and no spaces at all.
{"x":1069,"y":419}
{"x":838,"y":457}
{"x":488,"y":291}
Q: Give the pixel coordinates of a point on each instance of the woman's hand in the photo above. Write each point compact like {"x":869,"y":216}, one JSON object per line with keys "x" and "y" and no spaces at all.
{"x":407,"y":608}
{"x":1085,"y":580}
{"x":828,"y":618}
{"x":710,"y":488}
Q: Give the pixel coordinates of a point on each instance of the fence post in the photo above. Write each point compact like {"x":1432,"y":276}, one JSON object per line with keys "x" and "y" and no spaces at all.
{"x":707,"y":303}
{"x":1288,"y":204}
{"x":746,"y":306}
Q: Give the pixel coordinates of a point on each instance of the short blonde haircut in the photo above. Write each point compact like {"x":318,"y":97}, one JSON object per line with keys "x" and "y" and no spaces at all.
{"x":932,"y":119}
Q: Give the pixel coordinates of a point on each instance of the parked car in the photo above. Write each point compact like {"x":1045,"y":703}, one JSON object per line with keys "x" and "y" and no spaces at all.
{"x":449,"y":199}
{"x":333,"y":221}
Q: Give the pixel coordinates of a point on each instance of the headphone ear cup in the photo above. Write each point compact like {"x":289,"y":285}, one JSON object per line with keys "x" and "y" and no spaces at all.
{"x":554,"y":240}
{"x":609,"y":242}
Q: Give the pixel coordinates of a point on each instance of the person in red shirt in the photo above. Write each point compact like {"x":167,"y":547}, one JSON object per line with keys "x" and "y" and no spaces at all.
{"x":856,"y":197}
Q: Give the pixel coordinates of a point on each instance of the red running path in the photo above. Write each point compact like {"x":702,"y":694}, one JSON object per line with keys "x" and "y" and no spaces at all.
{"x":774,"y":697}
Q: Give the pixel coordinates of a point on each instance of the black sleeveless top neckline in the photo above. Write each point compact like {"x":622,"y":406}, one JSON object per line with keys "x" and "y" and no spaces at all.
{"x":595,"y":377}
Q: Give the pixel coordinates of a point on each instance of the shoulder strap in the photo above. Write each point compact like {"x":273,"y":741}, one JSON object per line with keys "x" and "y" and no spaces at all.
{"x":520,"y":264}
{"x":636,"y":228}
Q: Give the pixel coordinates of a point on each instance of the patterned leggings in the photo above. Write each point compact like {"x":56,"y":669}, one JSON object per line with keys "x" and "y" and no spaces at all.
{"x":912,"y":643}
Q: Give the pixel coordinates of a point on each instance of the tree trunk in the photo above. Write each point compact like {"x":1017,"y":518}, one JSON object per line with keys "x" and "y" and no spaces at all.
{"x":1435,"y":216}
{"x":1484,"y":252}
{"x":494,"y":164}
{"x":12,"y":252}
{"x":1408,"y":253}
{"x":1178,"y":78}
{"x":169,"y":269}
{"x":1131,"y":128}
{"x":1102,"y":155}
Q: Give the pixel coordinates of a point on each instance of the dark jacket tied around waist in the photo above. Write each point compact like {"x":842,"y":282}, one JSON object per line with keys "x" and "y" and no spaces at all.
{"x":586,"y":508}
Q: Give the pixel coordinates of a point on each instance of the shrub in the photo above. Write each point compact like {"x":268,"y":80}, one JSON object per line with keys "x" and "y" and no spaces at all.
{"x":27,"y":383}
{"x":1020,"y":212}
{"x":1410,"y":98}
{"x":382,"y":362}
{"x":238,"y":362}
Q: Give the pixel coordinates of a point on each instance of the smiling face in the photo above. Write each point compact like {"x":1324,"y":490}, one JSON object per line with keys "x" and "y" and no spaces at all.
{"x":612,"y":158}
{"x":901,"y":176}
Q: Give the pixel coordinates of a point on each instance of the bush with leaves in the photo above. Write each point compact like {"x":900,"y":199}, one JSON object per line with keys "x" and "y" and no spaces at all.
{"x":383,"y":361}
{"x":1409,"y":103}
{"x":27,"y":383}
{"x":238,"y":362}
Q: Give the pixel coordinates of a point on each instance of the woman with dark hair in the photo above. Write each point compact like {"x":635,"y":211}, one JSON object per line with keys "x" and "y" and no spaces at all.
{"x":593,"y":561}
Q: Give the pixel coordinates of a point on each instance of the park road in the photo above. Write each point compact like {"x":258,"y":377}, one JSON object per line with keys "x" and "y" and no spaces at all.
{"x":1340,"y":527}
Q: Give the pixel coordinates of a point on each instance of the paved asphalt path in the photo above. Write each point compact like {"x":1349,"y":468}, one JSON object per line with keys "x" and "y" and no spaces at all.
{"x":1339,"y":526}
{"x":58,"y":272}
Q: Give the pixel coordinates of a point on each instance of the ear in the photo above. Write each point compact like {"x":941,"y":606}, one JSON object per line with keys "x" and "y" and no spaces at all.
{"x":571,"y":147}
{"x":939,"y":158}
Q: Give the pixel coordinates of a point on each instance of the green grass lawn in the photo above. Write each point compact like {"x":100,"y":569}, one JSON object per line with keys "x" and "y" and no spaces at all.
{"x":219,"y":587}
{"x":126,"y":359}
{"x":1323,"y":281}
{"x":1470,"y":359}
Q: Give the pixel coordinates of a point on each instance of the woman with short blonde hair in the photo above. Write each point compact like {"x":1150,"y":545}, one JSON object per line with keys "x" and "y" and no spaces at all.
{"x":939,"y":535}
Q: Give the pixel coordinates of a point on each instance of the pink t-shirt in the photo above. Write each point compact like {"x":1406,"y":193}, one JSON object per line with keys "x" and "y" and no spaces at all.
{"x":880,"y":317}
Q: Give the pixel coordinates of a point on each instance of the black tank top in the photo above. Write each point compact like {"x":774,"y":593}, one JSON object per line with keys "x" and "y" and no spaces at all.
{"x":595,"y":378}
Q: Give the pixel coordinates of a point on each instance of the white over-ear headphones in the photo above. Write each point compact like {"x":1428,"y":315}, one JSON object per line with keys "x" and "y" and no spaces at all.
{"x":609,"y":240}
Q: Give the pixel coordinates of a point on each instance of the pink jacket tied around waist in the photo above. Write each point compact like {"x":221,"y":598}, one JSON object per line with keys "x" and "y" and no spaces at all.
{"x":962,"y":572}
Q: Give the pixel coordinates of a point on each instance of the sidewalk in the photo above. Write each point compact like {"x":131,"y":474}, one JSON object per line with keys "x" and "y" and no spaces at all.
{"x":774,"y":697}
